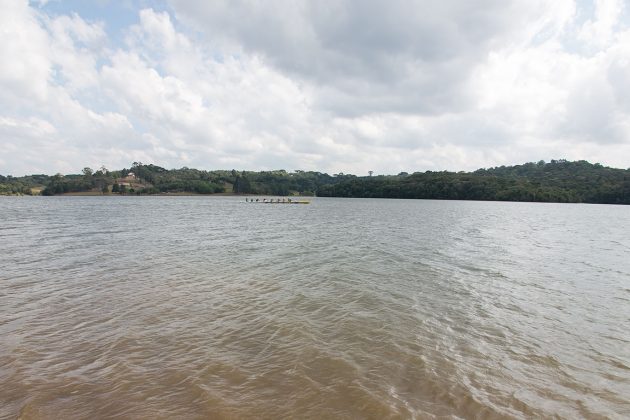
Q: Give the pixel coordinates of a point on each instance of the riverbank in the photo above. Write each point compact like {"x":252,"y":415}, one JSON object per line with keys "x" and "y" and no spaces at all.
{"x":167,"y":194}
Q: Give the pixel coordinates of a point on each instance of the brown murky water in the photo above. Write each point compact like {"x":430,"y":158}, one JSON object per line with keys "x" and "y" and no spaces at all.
{"x":197,"y":307}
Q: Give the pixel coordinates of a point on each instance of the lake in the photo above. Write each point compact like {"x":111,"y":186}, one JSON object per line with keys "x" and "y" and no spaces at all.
{"x":210,"y":307}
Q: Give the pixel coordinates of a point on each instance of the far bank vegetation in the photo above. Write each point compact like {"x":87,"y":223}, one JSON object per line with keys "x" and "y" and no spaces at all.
{"x":554,"y":181}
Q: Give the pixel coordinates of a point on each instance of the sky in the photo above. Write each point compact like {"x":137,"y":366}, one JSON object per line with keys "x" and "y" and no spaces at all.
{"x":334,"y":86}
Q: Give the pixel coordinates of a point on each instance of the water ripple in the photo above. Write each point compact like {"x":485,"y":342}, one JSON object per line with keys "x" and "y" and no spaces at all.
{"x":197,"y":307}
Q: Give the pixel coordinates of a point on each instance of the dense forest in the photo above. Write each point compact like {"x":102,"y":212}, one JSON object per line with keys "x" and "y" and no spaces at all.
{"x":555,"y":181}
{"x":142,"y":179}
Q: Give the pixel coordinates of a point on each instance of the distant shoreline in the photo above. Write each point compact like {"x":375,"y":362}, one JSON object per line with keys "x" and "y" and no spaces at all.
{"x":176,"y":194}
{"x":558,"y":181}
{"x":168,"y":194}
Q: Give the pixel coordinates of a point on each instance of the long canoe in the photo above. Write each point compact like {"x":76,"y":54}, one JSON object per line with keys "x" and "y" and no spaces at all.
{"x":281,"y":202}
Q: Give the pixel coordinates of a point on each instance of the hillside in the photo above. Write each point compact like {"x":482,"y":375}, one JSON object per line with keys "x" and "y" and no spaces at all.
{"x":555,"y":181}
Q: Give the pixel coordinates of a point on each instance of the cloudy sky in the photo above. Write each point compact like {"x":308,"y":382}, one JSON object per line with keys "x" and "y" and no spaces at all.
{"x":335,"y":86}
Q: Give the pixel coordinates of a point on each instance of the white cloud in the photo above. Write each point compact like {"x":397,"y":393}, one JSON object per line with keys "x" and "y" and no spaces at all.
{"x":24,"y":55}
{"x":347,"y":86}
{"x":49,"y":64}
{"x":599,"y":31}
{"x":75,"y":48}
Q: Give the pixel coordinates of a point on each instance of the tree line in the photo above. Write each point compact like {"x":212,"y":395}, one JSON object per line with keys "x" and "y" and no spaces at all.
{"x":153,"y":179}
{"x":555,"y":181}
